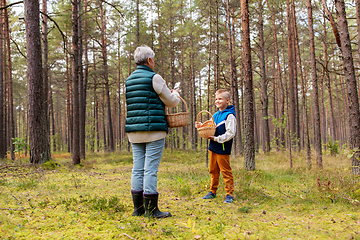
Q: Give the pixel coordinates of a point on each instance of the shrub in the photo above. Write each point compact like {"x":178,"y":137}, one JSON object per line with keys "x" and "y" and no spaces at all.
{"x":333,"y":147}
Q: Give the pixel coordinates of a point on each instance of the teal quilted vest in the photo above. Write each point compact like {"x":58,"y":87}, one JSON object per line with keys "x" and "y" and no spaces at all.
{"x":145,"y":110}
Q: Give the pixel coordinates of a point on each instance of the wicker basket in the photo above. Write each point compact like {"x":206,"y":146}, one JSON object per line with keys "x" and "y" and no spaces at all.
{"x":207,"y":129}
{"x":176,"y":120}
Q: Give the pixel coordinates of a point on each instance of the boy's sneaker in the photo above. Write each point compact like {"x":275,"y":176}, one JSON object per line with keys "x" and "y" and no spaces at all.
{"x":229,"y":199}
{"x":210,"y":195}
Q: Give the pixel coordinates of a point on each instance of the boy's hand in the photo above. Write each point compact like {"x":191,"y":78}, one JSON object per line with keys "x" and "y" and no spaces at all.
{"x":211,"y":137}
{"x":198,"y":124}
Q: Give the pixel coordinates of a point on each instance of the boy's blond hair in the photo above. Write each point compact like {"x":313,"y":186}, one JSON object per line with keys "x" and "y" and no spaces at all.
{"x":226,"y":93}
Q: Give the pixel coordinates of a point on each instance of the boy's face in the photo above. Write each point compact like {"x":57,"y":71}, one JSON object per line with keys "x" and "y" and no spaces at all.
{"x":221,"y":102}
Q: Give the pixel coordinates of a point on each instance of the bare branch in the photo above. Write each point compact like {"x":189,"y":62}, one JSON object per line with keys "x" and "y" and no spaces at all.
{"x":112,"y":5}
{"x":11,"y":4}
{"x":57,"y":26}
{"x":17,"y":46}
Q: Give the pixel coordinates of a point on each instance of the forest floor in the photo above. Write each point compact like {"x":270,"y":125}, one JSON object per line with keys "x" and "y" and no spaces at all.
{"x":93,"y":201}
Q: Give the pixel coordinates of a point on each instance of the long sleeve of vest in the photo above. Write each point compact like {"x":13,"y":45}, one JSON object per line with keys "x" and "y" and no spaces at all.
{"x":230,"y":126}
{"x":167,"y":97}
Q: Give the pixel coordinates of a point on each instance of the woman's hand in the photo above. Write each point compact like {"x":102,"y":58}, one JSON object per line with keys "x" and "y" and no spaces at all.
{"x":198,"y":124}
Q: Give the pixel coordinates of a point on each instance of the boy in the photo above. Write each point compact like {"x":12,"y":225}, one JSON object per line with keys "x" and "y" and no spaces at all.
{"x":220,"y":145}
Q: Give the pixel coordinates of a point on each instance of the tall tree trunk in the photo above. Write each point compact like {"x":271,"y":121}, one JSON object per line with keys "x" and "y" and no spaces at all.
{"x":304,"y":103}
{"x":328,"y":84}
{"x":96,"y":107}
{"x":230,"y":51}
{"x":129,"y":72}
{"x":45,"y":63}
{"x":82,"y":87}
{"x":295,"y":64}
{"x":2,"y":89}
{"x":263,"y":96}
{"x":340,"y":135}
{"x":238,"y":136}
{"x":184,"y":129}
{"x":305,"y":115}
{"x":137,"y":24}
{"x":291,"y":89}
{"x":193,"y":96}
{"x":275,"y":104}
{"x":346,"y":133}
{"x":249,"y":151}
{"x":316,"y":111}
{"x":68,"y":105}
{"x":209,"y":79}
{"x":105,"y":134}
{"x":354,"y":114}
{"x":39,"y":141}
{"x":85,"y":80}
{"x":256,"y":128}
{"x":75,"y":89}
{"x":119,"y":93}
{"x":233,"y":78}
{"x":24,"y":129}
{"x":217,"y":56}
{"x":10,"y":79}
{"x":278,"y":70}
{"x":107,"y":85}
{"x":323,"y":112}
{"x":51,"y":103}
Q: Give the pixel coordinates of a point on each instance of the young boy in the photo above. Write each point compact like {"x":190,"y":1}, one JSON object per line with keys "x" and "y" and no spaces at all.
{"x":220,"y":145}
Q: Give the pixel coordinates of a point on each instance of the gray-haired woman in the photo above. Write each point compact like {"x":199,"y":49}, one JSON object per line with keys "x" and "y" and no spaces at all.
{"x":146,"y":126}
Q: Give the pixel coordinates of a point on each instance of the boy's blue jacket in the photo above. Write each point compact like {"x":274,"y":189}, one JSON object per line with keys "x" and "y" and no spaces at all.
{"x":220,"y":118}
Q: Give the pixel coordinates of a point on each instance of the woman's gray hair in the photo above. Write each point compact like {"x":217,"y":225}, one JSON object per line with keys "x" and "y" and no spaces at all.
{"x":142,"y":53}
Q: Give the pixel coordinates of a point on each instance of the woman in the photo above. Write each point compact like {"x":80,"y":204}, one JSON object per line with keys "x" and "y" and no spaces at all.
{"x":146,"y":126}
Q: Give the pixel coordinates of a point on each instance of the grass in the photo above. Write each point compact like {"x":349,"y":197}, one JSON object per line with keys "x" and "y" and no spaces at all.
{"x":93,"y":201}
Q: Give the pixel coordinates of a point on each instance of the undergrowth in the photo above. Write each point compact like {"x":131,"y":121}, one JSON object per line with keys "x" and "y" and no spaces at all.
{"x":92,"y":201}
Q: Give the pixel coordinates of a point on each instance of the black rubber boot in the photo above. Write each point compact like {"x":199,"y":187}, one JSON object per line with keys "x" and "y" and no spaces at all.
{"x":151,"y":206}
{"x":138,"y":201}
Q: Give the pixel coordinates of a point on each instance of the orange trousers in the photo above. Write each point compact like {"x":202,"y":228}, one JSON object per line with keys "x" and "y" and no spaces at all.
{"x":221,"y":163}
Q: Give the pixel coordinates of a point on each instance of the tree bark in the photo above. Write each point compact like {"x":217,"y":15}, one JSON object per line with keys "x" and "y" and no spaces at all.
{"x":75,"y":89}
{"x":39,"y":141}
{"x":96,"y":106}
{"x":106,"y":78}
{"x":306,"y":138}
{"x":249,"y":150}
{"x":2,"y":89}
{"x":68,"y":105}
{"x":119,"y":93}
{"x":295,"y":65}
{"x":86,"y":78}
{"x":291,"y":90}
{"x":137,"y":23}
{"x":328,"y":85}
{"x":82,"y":87}
{"x":278,"y":70}
{"x":217,"y":54}
{"x":53,"y":132}
{"x":264,"y":95}
{"x":316,"y":111}
{"x":354,"y":114}
{"x":238,"y":136}
{"x":9,"y":72}
{"x":324,"y":125}
{"x":339,"y":133}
